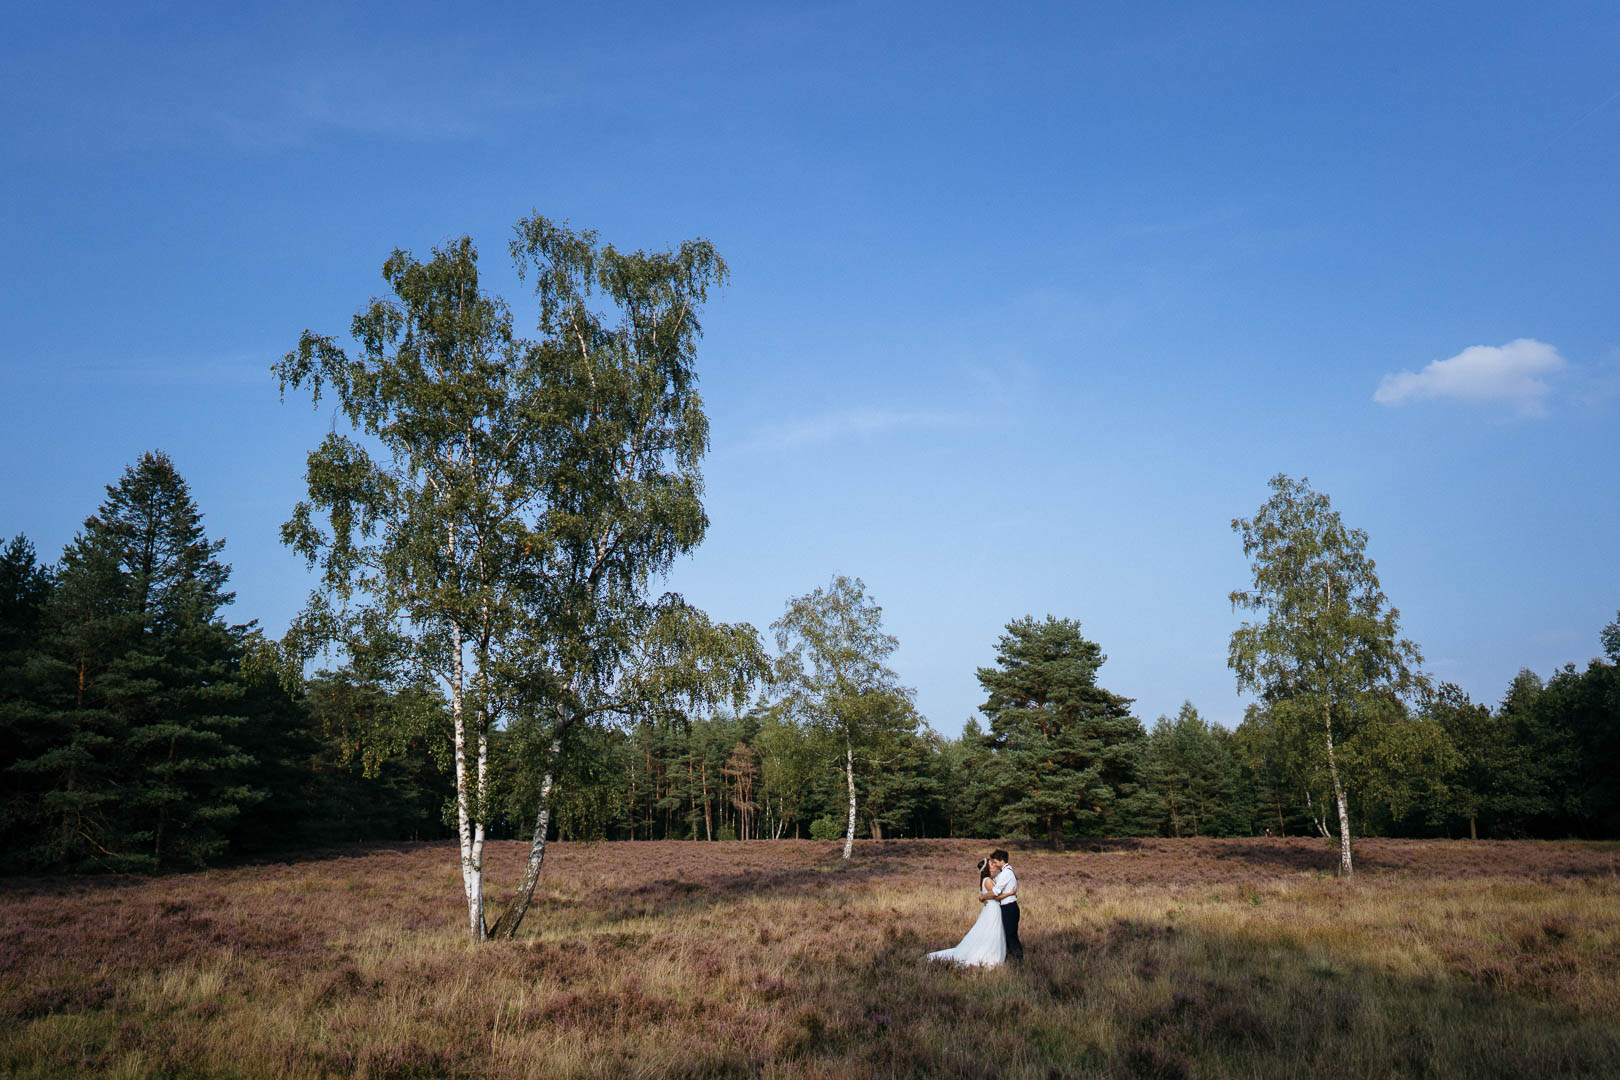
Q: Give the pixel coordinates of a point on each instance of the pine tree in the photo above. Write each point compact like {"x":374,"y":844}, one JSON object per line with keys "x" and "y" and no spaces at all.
{"x":142,"y":773}
{"x":25,"y":718}
{"x":1065,"y":747}
{"x":1193,"y":783}
{"x":969,"y":809}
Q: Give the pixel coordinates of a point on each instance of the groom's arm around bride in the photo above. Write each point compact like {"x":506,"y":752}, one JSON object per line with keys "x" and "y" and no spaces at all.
{"x":1005,"y":892}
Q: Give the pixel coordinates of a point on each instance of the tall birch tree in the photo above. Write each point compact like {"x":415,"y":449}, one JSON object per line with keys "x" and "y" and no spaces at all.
{"x":624,"y":435}
{"x":525,"y":495}
{"x":1325,"y":652}
{"x":833,"y":673}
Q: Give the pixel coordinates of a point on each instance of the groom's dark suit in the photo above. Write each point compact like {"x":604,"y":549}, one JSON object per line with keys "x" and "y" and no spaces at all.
{"x":1007,"y":882}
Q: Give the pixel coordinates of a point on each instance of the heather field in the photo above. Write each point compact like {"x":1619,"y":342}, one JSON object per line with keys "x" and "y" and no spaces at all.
{"x":1199,"y":958}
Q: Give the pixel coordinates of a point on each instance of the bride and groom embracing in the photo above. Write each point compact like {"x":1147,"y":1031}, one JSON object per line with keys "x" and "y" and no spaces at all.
{"x":995,"y":936}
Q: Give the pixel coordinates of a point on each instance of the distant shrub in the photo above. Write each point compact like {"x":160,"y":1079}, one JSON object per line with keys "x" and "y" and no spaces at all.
{"x":826,"y":828}
{"x":725,"y":832}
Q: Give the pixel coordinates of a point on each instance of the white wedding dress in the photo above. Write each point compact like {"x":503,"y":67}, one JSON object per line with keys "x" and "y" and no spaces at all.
{"x":985,"y":944}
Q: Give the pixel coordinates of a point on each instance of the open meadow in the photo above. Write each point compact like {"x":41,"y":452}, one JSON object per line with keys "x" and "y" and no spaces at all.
{"x":1200,"y":958}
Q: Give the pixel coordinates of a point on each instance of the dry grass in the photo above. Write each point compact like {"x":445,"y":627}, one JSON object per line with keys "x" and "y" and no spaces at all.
{"x":1154,"y":958}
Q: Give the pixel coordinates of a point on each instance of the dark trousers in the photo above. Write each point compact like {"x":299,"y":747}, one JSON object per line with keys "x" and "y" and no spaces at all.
{"x":1009,"y":926}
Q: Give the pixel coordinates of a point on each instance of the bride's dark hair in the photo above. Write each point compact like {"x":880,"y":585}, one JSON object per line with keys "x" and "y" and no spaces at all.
{"x":984,"y":869}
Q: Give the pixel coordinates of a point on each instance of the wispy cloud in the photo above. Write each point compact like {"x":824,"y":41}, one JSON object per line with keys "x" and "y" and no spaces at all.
{"x":1516,"y":374}
{"x":860,"y":423}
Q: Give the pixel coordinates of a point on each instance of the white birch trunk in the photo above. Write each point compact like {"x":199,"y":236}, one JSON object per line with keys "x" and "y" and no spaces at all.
{"x":1345,"y":866}
{"x":506,"y":926}
{"x":472,"y":839}
{"x":1317,"y":819}
{"x":478,"y":822}
{"x":849,"y":774}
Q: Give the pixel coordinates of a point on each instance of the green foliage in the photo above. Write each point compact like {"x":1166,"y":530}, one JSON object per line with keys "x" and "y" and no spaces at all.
{"x":1569,"y":732}
{"x":1487,"y":780}
{"x":1191,"y":781}
{"x":138,"y":703}
{"x":902,"y":785}
{"x":789,"y":760}
{"x":25,"y":586}
{"x":33,"y":720}
{"x":530,"y":493}
{"x":833,"y":676}
{"x":1403,"y":767}
{"x":829,"y":827}
{"x":328,"y":780}
{"x":1325,"y":654}
{"x":1065,"y":748}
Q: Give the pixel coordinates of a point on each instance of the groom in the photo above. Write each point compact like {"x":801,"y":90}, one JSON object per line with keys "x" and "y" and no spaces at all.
{"x":1004,"y":890}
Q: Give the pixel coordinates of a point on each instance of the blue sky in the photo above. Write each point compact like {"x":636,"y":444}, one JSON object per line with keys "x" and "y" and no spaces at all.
{"x":1026,"y":305}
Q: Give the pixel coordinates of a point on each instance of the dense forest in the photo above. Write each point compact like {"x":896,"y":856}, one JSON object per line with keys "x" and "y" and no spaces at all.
{"x":137,"y":733}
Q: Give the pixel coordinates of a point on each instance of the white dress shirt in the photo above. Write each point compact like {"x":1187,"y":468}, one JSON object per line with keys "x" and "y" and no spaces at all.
{"x":1007,"y":882}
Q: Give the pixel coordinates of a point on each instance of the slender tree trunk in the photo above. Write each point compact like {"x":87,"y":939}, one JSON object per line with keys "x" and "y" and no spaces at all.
{"x":708,"y":807}
{"x":1054,"y":832}
{"x":630,"y":795}
{"x":849,"y":774}
{"x":1473,"y":830}
{"x":478,"y":822}
{"x":1345,"y":866}
{"x":507,"y":925}
{"x":1317,"y":819}
{"x":877,"y":829}
{"x":472,"y":870}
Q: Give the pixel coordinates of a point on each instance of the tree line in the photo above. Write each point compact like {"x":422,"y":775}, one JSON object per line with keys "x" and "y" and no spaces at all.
{"x":137,"y":735}
{"x":487,"y":537}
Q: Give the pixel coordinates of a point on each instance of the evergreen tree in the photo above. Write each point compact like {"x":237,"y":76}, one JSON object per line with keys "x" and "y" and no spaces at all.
{"x":25,"y":723}
{"x":1192,"y":783}
{"x":1610,"y":636}
{"x":967,"y":803}
{"x":143,"y":772}
{"x":1570,"y":735}
{"x":346,"y":761}
{"x":902,"y":788}
{"x":1487,"y":782}
{"x":1272,"y":769}
{"x":1065,"y":747}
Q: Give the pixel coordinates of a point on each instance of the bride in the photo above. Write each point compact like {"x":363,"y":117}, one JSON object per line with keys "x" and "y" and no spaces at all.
{"x":985,"y":944}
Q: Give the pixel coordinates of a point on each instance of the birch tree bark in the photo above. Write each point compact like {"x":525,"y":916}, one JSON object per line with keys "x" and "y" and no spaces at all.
{"x":1345,"y":866}
{"x":849,"y":775}
{"x":506,"y":925}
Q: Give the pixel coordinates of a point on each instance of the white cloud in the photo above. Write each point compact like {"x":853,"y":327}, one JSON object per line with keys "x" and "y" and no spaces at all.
{"x":1515,"y":373}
